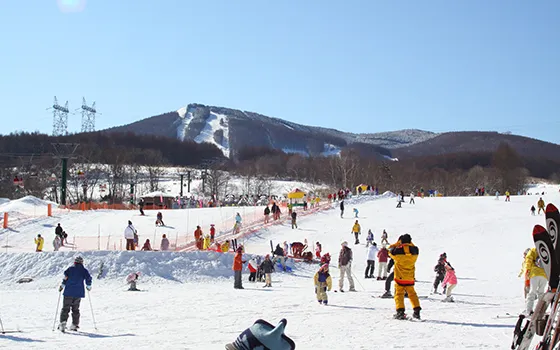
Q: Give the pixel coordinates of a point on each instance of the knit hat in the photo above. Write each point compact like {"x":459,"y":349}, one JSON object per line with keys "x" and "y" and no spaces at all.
{"x":263,"y":335}
{"x":406,"y":238}
{"x":78,"y":260}
{"x":344,"y":244}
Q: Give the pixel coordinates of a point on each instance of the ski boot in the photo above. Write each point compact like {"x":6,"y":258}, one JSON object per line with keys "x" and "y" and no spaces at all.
{"x":387,"y":295}
{"x":73,"y":327}
{"x":325,"y":302}
{"x":379,"y":278}
{"x":62,"y":327}
{"x":399,"y":315}
{"x":416,"y":314}
{"x":352,"y":289}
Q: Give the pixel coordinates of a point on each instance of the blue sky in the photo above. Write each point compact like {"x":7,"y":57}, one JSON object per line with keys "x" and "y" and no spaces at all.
{"x":360,"y":66}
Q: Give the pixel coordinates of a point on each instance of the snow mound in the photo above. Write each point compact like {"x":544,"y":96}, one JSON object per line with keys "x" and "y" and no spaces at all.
{"x":153,"y":266}
{"x":26,"y":205}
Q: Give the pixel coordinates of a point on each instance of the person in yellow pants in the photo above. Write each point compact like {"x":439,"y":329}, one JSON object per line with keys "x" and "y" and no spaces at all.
{"x":405,"y":254}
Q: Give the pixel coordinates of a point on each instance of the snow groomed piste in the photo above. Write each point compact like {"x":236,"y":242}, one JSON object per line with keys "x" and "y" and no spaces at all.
{"x":190,"y":294}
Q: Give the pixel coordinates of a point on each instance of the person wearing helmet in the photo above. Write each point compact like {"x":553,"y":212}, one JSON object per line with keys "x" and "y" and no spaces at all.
{"x":73,"y":286}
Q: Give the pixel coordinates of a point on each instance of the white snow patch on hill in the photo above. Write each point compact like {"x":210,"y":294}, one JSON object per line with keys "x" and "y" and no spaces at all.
{"x":330,"y":150}
{"x":186,"y":117}
{"x":27,"y":205}
{"x":214,"y":123}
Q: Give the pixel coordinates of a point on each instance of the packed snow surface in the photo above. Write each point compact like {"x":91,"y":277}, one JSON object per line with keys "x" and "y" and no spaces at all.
{"x":188,"y":300}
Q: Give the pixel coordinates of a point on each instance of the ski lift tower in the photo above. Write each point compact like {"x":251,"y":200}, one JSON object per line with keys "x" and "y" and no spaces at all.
{"x":88,"y":116}
{"x":64,"y":151}
{"x":60,"y":118}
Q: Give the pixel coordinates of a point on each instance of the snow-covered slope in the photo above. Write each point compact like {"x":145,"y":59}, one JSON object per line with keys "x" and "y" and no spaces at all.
{"x":214,"y":124}
{"x":484,"y":239}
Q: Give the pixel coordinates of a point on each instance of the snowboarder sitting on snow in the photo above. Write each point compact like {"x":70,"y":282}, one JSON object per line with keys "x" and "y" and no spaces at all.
{"x":73,"y":286}
{"x":449,"y":282}
{"x":147,"y":246}
{"x":439,"y":269}
{"x":159,"y":219}
{"x":323,"y":282}
{"x":225,"y":247}
{"x":369,"y":239}
{"x":206,"y":242}
{"x":405,"y":255}
{"x":533,"y":210}
{"x":268,"y":267}
{"x":356,"y":230}
{"x":132,"y":279}
{"x":297,"y":249}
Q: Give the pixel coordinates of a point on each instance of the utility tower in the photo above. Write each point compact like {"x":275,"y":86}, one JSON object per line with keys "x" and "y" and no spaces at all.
{"x":88,"y":116}
{"x":60,"y":118}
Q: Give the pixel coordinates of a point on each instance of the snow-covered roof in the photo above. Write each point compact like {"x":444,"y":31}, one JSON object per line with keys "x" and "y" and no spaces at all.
{"x":157,"y":194}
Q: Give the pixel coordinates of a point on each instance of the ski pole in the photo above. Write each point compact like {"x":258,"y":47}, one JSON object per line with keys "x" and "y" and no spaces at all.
{"x":2,"y":325}
{"x":356,"y":278}
{"x":56,"y":313}
{"x":91,"y":307}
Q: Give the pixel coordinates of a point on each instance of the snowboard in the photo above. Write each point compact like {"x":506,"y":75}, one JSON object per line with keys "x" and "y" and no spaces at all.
{"x":525,"y":329}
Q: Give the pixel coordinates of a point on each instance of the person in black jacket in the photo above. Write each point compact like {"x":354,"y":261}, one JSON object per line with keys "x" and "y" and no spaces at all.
{"x":268,"y":267}
{"x":141,"y":206}
{"x":278,"y":253}
{"x":341,"y":208}
{"x":294,"y":219}
{"x":266,"y":214}
{"x":439,"y":269}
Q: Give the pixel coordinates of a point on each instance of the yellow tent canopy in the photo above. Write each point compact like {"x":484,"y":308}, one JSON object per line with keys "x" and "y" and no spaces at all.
{"x":296,"y":194}
{"x":362,"y":186}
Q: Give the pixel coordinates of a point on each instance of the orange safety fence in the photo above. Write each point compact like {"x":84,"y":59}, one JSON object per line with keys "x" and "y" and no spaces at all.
{"x":95,"y":206}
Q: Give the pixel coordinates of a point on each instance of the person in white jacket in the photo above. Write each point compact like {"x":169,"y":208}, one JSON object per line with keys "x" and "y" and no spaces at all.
{"x":129,"y":233}
{"x":412,"y":198}
{"x":371,"y":256}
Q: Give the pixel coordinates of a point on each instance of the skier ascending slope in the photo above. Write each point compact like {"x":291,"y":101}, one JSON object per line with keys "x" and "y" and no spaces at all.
{"x":73,"y":286}
{"x":405,"y":255}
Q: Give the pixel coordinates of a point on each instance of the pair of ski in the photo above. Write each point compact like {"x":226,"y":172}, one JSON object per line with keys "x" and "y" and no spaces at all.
{"x":547,"y":245}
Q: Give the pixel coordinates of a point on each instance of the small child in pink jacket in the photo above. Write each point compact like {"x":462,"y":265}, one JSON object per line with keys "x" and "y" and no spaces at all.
{"x":450,"y":281}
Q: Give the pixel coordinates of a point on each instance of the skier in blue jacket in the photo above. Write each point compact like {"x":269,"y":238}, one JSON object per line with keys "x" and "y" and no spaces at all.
{"x":73,"y":286}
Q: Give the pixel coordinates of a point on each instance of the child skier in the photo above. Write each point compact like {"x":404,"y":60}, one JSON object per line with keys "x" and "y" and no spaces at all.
{"x":73,"y":286}
{"x":159,"y":219}
{"x":323,"y":283}
{"x":439,"y":269}
{"x":268,"y":268}
{"x":253,"y":267}
{"x":356,"y":212}
{"x":294,"y":219}
{"x":369,"y":239}
{"x":371,"y":255}
{"x":318,"y":249}
{"x":449,"y":282}
{"x":326,"y":259}
{"x":384,"y":238}
{"x":533,"y":210}
{"x":57,"y":243}
{"x":132,"y":279}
